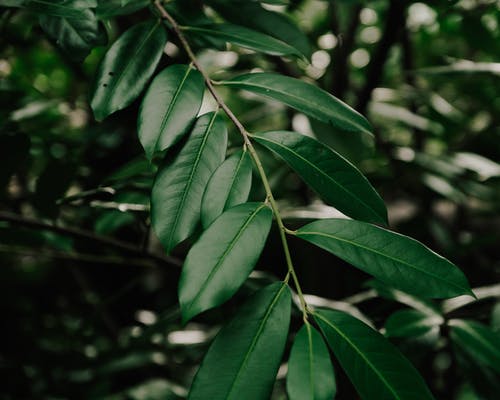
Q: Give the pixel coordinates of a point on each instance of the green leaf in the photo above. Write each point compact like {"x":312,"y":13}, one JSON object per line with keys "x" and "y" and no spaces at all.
{"x":126,"y":67}
{"x":244,"y":37}
{"x":229,"y":185}
{"x":336,"y":180}
{"x":181,"y":180}
{"x":375,"y":367}
{"x":75,"y":36}
{"x":480,"y":341}
{"x":242,"y":362}
{"x":425,"y":306}
{"x":310,"y":370}
{"x":254,"y":16}
{"x":304,"y":97}
{"x":411,"y":323}
{"x":395,"y":259}
{"x":113,"y":8}
{"x":169,"y":107}
{"x":221,"y":260}
{"x":60,"y":8}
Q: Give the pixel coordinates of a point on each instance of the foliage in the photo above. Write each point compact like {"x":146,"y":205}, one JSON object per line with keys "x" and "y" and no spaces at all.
{"x":184,"y":190}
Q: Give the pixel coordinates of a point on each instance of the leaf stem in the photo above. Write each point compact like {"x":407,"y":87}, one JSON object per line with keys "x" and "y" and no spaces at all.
{"x":247,"y":142}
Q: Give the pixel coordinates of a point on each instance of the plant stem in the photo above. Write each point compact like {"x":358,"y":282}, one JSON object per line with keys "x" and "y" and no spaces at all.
{"x":248,"y":143}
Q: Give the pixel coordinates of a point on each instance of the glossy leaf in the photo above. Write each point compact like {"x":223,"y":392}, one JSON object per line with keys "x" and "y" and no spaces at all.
{"x":221,"y":260}
{"x":242,"y":362}
{"x":480,"y":341}
{"x":229,"y":185}
{"x":336,"y":180}
{"x":169,"y":107}
{"x":375,"y":367}
{"x":244,"y":37}
{"x":126,"y":67}
{"x":76,"y":36}
{"x":310,"y":370}
{"x":252,"y":15}
{"x":181,"y":180}
{"x":395,"y":259}
{"x":304,"y":97}
{"x":60,"y":8}
{"x":411,"y":323}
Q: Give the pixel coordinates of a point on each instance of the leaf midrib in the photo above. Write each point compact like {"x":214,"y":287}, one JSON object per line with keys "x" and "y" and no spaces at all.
{"x":397,"y":260}
{"x":221,"y":259}
{"x":255,"y":339}
{"x":317,"y":105}
{"x":324,"y":174}
{"x":166,"y":116}
{"x":233,"y":178}
{"x":362,"y":355}
{"x":206,"y":134}
{"x":123,"y":70}
{"x":277,"y":46}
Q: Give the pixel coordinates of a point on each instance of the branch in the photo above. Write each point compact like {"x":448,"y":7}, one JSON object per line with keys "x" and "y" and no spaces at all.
{"x":19,"y":220}
{"x":246,"y":138}
{"x":339,"y":71}
{"x":394,"y":22}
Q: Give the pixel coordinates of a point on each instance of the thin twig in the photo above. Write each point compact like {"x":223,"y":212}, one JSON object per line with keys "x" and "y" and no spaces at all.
{"x":248,"y":143}
{"x":21,"y":221}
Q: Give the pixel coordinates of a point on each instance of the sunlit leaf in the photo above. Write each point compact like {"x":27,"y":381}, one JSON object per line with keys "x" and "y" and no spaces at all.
{"x":242,"y":362}
{"x":169,"y":107}
{"x":223,"y":257}
{"x":310,"y":371}
{"x":336,"y":180}
{"x":376,"y":368}
{"x":244,"y":37}
{"x":395,"y":259}
{"x":126,"y":67}
{"x":304,"y":97}
{"x":180,"y":182}
{"x":229,"y":185}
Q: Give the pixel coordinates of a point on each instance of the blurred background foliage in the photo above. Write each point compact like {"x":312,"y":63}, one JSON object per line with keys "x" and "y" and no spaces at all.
{"x":87,"y":298}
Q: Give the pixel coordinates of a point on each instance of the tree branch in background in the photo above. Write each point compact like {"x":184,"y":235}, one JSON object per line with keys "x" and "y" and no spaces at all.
{"x":339,"y":71}
{"x":20,"y":221}
{"x":394,"y":23}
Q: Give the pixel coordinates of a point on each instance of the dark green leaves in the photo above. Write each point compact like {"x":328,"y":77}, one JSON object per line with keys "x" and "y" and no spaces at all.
{"x":393,"y":258}
{"x":252,"y":15}
{"x":304,"y":97}
{"x":181,"y":180}
{"x":481,"y":342}
{"x":375,"y":367}
{"x":243,"y":360}
{"x":310,"y":371}
{"x":411,"y":323}
{"x":335,"y":179}
{"x":244,"y":37}
{"x":223,"y":257}
{"x":60,"y":8}
{"x":111,"y":8}
{"x":169,"y":107}
{"x":126,"y":67}
{"x":76,"y":36}
{"x":229,"y":185}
